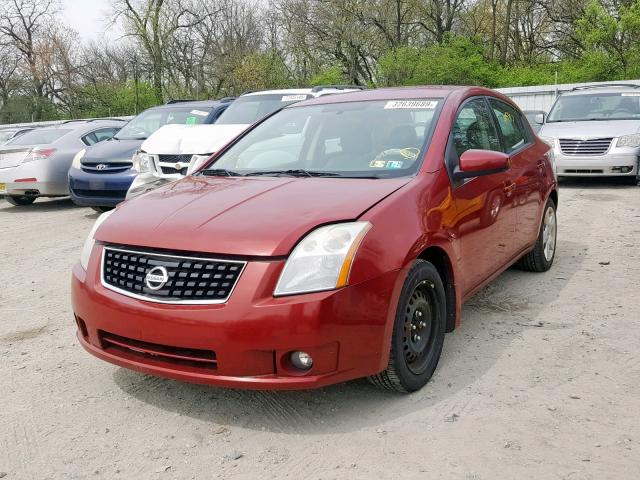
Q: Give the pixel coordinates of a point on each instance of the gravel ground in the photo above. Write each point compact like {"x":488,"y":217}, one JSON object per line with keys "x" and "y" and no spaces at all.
{"x":541,"y":381}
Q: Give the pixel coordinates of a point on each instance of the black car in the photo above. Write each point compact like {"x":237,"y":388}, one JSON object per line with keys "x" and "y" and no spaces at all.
{"x":101,"y":175}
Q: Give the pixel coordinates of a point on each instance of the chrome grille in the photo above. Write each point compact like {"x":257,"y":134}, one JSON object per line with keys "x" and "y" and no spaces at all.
{"x":174,"y":164}
{"x":174,"y":158}
{"x":590,"y":146}
{"x":190,"y":279}
{"x":106,"y":167}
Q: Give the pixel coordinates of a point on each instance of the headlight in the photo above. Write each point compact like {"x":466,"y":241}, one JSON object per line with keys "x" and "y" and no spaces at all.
{"x":76,"y":160}
{"x":548,"y":140}
{"x":629,"y":140}
{"x":143,"y":162}
{"x":322,"y":260}
{"x":90,"y":241}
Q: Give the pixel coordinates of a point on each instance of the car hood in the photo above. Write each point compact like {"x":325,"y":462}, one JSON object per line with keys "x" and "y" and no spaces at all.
{"x":599,"y":129}
{"x":263,"y":216}
{"x":111,"y":151}
{"x":191,"y":139}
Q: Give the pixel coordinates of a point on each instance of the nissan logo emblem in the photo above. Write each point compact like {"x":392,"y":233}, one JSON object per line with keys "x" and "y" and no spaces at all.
{"x":156,"y":278}
{"x":101,"y":166}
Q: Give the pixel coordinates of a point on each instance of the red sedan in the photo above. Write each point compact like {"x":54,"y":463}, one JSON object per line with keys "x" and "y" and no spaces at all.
{"x":336,"y":239}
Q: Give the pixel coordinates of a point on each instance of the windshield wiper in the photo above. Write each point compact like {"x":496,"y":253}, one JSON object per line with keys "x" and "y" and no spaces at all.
{"x":292,"y":173}
{"x":220,"y":172}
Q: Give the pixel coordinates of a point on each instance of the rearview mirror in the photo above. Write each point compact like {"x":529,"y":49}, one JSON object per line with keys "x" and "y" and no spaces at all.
{"x":290,"y":128}
{"x":539,"y":118}
{"x":474,"y":163}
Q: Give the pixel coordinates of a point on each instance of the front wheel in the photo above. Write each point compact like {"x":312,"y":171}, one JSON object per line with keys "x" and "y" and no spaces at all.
{"x":418,"y":332}
{"x":541,"y":257}
{"x":20,"y":200}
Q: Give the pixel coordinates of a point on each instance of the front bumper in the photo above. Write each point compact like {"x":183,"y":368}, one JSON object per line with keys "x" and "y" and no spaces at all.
{"x":616,"y":162}
{"x":49,"y":181}
{"x":99,"y":189}
{"x":347,"y":331}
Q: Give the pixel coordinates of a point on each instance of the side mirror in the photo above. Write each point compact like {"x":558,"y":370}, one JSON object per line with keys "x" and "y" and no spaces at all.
{"x":539,"y":119}
{"x":474,"y":163}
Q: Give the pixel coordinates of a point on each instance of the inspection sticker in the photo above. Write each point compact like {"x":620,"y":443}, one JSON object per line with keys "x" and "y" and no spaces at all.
{"x":293,"y":98}
{"x":400,"y":104}
{"x":200,"y":112}
{"x":394,"y":164}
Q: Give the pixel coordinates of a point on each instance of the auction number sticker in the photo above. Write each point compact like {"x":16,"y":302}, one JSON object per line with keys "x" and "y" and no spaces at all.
{"x":413,"y":104}
{"x":293,"y":98}
{"x":632,"y":94}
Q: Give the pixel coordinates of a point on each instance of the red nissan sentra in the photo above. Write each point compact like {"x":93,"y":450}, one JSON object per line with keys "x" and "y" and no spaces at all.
{"x":336,"y":239}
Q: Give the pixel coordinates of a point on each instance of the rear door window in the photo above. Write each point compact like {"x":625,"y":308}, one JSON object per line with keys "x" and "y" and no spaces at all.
{"x":105,"y":133}
{"x":511,"y":124}
{"x":90,"y":139}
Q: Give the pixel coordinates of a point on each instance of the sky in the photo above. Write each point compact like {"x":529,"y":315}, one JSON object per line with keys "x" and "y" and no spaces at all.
{"x":89,"y":18}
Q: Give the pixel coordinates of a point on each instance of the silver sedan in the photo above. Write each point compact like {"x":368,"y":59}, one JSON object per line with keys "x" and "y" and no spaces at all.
{"x":36,"y":164}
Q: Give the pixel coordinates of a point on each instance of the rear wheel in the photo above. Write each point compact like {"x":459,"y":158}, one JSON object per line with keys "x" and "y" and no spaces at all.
{"x":418,"y":332}
{"x":19,"y":200}
{"x":541,"y":257}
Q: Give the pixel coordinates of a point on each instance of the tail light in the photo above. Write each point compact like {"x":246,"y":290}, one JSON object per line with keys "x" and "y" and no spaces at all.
{"x":39,"y":154}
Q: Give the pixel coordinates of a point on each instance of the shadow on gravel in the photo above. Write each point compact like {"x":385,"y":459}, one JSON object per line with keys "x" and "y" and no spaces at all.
{"x":597,"y":183}
{"x":40,"y":205}
{"x":491,"y":321}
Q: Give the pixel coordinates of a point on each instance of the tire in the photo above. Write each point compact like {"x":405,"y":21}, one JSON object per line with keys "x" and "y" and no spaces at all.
{"x":101,"y":209}
{"x":20,"y":200}
{"x":541,"y":257}
{"x":421,"y":310}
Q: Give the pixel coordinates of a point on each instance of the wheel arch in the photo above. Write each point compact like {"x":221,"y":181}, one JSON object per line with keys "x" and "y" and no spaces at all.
{"x":553,"y":195}
{"x":440,"y":259}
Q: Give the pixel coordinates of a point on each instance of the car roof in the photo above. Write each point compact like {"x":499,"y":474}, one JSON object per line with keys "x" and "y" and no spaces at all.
{"x":318,"y":91}
{"x":600,"y":89}
{"x":193,"y":104}
{"x":391,"y":93}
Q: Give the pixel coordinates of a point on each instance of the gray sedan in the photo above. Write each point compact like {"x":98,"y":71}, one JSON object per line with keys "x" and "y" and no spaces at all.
{"x":36,"y":164}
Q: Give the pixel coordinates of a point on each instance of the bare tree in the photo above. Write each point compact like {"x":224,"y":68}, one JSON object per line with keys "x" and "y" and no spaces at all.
{"x":9,"y":83}
{"x":22,"y":24}
{"x":155,"y":24}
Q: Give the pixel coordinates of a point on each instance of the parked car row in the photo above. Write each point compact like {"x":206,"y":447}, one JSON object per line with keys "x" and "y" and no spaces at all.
{"x":593,"y":131}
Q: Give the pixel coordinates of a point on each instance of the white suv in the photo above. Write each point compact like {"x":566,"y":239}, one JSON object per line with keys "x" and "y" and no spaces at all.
{"x":173,"y":151}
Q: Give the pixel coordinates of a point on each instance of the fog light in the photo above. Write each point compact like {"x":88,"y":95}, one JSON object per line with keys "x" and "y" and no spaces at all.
{"x":301,"y":360}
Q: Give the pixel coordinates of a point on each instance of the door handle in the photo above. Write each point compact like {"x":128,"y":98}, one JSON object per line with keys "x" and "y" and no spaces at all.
{"x":509,"y":188}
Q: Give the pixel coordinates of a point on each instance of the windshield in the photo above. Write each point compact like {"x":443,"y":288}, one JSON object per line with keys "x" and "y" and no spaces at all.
{"x":151,"y":120}
{"x":372,"y":139}
{"x":596,"y":106}
{"x":249,"y":109}
{"x":39,"y":136}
